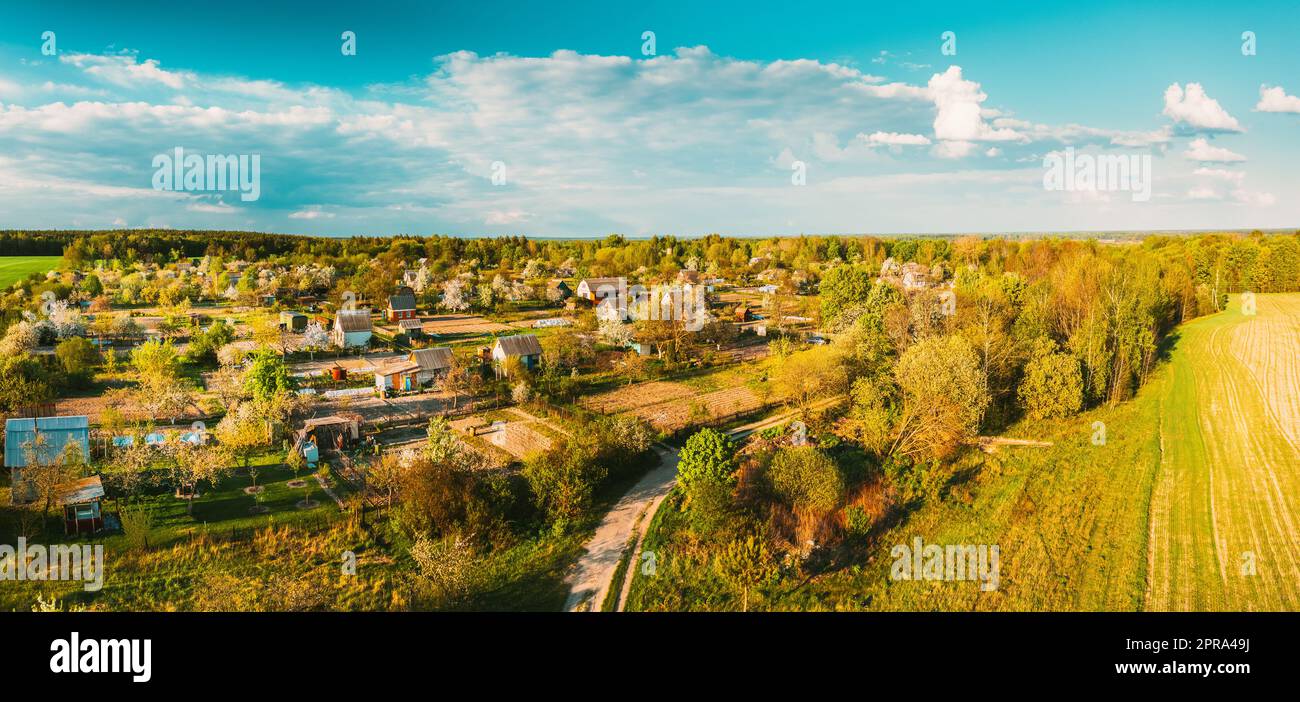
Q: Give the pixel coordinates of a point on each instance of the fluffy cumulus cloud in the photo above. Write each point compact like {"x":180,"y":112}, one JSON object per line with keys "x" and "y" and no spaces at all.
{"x":1196,"y":110}
{"x":1201,"y":150}
{"x":959,"y":117}
{"x":1275,"y":99}
{"x":568,"y":144}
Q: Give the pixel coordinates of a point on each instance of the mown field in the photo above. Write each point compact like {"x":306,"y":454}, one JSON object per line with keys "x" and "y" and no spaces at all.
{"x":15,"y":268}
{"x":1225,"y":510}
{"x":1190,"y":503}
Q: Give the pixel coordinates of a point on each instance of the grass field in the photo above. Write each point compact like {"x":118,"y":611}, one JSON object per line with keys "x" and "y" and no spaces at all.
{"x":1191,"y":502}
{"x":15,"y":268}
{"x":1225,"y":510}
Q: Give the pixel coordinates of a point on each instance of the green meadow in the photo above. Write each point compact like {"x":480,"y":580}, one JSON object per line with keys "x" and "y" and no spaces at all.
{"x":15,"y":268}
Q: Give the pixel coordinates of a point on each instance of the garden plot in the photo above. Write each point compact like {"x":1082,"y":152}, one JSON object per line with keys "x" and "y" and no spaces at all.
{"x":676,"y":414}
{"x":462,"y":324}
{"x":635,"y":396}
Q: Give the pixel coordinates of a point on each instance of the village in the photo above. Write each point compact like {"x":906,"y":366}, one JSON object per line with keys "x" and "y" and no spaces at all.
{"x":173,"y":355}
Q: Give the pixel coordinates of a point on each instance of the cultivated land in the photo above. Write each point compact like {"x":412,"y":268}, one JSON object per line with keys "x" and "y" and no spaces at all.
{"x":15,"y":268}
{"x":1226,"y":509}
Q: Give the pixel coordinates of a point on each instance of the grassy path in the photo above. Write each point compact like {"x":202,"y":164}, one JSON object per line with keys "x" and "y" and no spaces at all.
{"x":1225,"y":513}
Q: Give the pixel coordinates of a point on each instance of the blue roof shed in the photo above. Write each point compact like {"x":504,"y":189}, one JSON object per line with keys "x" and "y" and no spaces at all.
{"x":58,"y":432}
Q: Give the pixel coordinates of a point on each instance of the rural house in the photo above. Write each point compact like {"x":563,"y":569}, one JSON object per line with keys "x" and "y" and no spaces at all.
{"x":401,"y":306}
{"x":45,"y":439}
{"x":421,"y":368}
{"x":593,"y":289}
{"x":434,"y":362}
{"x":293,"y":321}
{"x":400,"y":375}
{"x":351,"y":328}
{"x":525,"y":347}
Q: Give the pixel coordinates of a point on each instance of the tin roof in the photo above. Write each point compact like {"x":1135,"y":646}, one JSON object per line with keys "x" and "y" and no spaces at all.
{"x":79,"y":492}
{"x":401,"y":301}
{"x":353,"y":320}
{"x":520,"y":345}
{"x":436,"y":358}
{"x":57,"y":433}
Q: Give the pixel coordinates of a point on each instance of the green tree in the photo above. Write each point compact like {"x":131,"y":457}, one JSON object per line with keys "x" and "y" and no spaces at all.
{"x":267,"y":376}
{"x":78,"y":357}
{"x":943,"y":395}
{"x":709,"y":457}
{"x":841,"y":288}
{"x":1052,"y":386}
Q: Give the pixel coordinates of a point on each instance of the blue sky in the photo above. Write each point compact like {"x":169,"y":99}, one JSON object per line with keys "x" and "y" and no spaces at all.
{"x":593,"y":137}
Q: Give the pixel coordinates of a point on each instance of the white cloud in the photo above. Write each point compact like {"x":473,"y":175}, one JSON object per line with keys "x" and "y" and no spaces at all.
{"x":959,"y":118}
{"x":1197,"y":110}
{"x":1276,"y":100}
{"x":895,"y":139}
{"x":1200,"y":150}
{"x":1203,"y":192}
{"x":311,"y":213}
{"x":124,"y":70}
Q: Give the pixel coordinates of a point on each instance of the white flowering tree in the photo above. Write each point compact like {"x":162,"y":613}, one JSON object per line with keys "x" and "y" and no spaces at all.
{"x":455,"y":295}
{"x":315,"y":338}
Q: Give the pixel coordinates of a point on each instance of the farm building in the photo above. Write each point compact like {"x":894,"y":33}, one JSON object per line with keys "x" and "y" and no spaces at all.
{"x":400,"y":375}
{"x":434,"y":362}
{"x":593,"y":289}
{"x":412,"y":328}
{"x":743,"y":313}
{"x":55,"y":434}
{"x":401,"y":306}
{"x":525,"y":347}
{"x":351,"y":328}
{"x":293,"y":321}
{"x":81,"y":501}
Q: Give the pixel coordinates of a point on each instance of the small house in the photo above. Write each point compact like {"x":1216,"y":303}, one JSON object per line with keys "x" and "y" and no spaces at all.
{"x":434,"y":363}
{"x":401,"y":306}
{"x":44,"y":439}
{"x":525,"y":347}
{"x":593,"y":289}
{"x":293,"y":321}
{"x":412,"y":328}
{"x":82,"y":503}
{"x":743,"y":313}
{"x":915,"y":276}
{"x":352,"y":328}
{"x":400,"y":375}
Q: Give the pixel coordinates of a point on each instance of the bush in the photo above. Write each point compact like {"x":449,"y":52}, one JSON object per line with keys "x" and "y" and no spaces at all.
{"x":805,"y":478}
